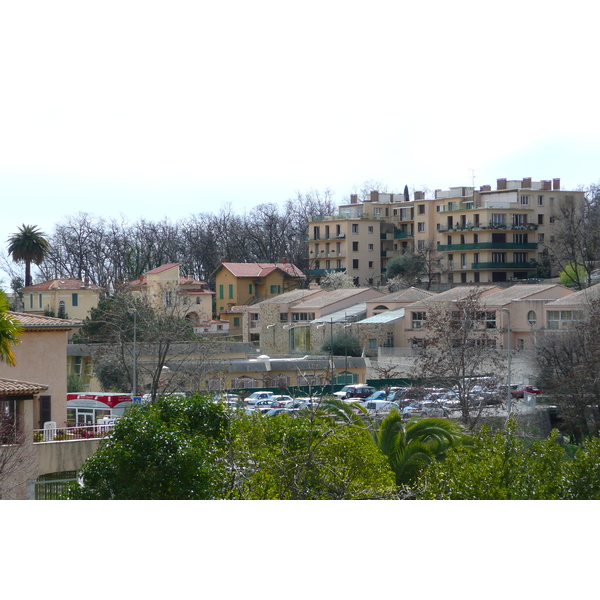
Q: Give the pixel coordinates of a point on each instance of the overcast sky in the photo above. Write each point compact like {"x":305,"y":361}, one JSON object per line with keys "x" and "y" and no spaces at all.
{"x":165,"y":109}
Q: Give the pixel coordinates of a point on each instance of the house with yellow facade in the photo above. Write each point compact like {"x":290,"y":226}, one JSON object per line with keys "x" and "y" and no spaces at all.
{"x":62,"y":297}
{"x":243,"y":284}
{"x":166,"y":287}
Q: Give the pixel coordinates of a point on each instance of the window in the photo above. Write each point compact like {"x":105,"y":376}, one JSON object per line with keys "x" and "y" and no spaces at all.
{"x":62,"y":311}
{"x":370,"y":229}
{"x":476,"y":257}
{"x":519,"y":219}
{"x":355,"y":263}
{"x":520,"y":257}
{"x":221,"y":291}
{"x":354,"y":246}
{"x":540,"y":200}
{"x":462,"y":239}
{"x":30,"y":300}
{"x":276,"y":289}
{"x":524,"y":199}
{"x":463,"y":261}
{"x":519,"y":238}
{"x":540,"y":219}
{"x":372,"y":343}
{"x":303,"y":316}
{"x":236,"y":321}
{"x":389,"y":339}
{"x":531,"y":317}
{"x":370,"y":247}
{"x":562,"y":318}
{"x":418,"y":319}
{"x":540,"y":238}
{"x":421,"y":244}
{"x":317,"y":233}
{"x":74,"y":299}
{"x":299,"y":339}
{"x":420,"y":227}
{"x":250,"y":289}
{"x":283,"y":317}
{"x":421,"y":209}
{"x":552,"y":219}
{"x":231,"y":291}
{"x":498,"y":219}
{"x":370,"y":264}
{"x":498,"y":257}
{"x":354,"y":227}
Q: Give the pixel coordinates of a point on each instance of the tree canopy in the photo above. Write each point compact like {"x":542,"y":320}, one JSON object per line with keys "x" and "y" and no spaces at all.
{"x":29,"y":245}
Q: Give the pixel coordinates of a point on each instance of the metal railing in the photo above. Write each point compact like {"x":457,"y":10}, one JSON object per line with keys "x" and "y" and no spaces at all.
{"x":65,"y":434}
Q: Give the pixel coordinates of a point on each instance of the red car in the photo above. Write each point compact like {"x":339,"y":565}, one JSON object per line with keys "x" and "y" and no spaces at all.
{"x":520,"y":390}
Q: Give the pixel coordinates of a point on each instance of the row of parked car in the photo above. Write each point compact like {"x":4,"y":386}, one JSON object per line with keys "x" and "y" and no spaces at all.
{"x":433,"y":402}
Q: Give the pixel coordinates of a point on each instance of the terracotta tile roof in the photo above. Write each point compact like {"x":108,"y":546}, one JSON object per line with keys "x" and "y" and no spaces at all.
{"x":31,"y":321}
{"x":61,"y":284}
{"x":411,"y":294}
{"x":261,"y":269}
{"x":12,"y":387}
{"x":162,"y":268}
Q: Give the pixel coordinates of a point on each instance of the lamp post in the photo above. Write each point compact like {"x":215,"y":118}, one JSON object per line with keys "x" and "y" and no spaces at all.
{"x":133,"y":311}
{"x":346,"y":353}
{"x":508,"y":390}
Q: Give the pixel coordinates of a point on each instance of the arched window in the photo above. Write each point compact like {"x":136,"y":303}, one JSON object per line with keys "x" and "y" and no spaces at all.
{"x":379,"y":309}
{"x":62,"y":311}
{"x":531,"y":317}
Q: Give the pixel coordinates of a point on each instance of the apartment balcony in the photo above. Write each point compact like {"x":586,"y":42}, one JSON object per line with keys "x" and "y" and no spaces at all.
{"x":68,"y":434}
{"x":322,"y":272}
{"x":529,"y":265}
{"x":486,"y":246}
{"x":489,"y":226}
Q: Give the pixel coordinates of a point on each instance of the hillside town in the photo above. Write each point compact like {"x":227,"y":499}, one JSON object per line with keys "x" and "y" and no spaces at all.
{"x":455,"y":305}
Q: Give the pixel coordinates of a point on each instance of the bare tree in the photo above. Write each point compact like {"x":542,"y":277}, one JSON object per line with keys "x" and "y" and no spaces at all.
{"x":460,"y":346}
{"x":568,"y":370}
{"x":576,"y":239}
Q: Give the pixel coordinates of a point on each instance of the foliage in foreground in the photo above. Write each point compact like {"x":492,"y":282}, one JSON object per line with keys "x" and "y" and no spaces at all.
{"x":167,"y":450}
{"x":191,"y":448}
{"x":504,"y":466}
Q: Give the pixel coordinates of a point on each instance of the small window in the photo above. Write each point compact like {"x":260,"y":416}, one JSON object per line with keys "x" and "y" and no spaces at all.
{"x":354,"y":246}
{"x":354,"y":227}
{"x":420,"y":227}
{"x":524,"y":199}
{"x":355,"y":263}
{"x":540,"y":219}
{"x":250,"y":289}
{"x":221,"y":292}
{"x":531,"y":317}
{"x":421,"y":209}
{"x":231,"y":291}
{"x":540,"y":200}
{"x":74,"y":299}
{"x":236,"y":321}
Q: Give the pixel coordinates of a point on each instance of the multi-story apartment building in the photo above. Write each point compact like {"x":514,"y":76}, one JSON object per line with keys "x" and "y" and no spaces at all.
{"x":361,"y":237}
{"x":472,"y":236}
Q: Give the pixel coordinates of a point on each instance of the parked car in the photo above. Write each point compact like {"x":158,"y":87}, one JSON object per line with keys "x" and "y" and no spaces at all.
{"x":380,"y":407}
{"x":520,"y":390}
{"x":359,"y":390}
{"x":380,"y":395}
{"x":254,"y":397}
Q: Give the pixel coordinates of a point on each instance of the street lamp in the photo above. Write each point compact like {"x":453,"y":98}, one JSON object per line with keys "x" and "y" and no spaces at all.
{"x":508,"y":390}
{"x":133,"y":311}
{"x":330,"y":349}
{"x":346,"y":353}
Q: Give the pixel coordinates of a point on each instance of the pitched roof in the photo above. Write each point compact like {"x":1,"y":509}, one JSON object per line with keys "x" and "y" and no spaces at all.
{"x":30,"y":321}
{"x":580,"y":298}
{"x":411,"y":294}
{"x":61,"y":284}
{"x":12,"y":387}
{"x":260,"y":270}
{"x":519,"y":291}
{"x":331,"y":297}
{"x":162,"y":268}
{"x":292,"y":296}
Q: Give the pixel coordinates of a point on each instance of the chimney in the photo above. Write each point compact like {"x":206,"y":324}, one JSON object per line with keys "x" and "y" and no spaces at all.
{"x":501,"y":184}
{"x":353,"y":198}
{"x":374,"y":196}
{"x":419,"y":195}
{"x":556,"y":184}
{"x":546,"y":184}
{"x":284,"y":261}
{"x":485,"y":188}
{"x":526,"y":183}
{"x":223,"y":260}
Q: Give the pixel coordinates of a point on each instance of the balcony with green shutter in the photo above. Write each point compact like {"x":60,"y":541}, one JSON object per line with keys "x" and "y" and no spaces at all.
{"x":529,"y":265}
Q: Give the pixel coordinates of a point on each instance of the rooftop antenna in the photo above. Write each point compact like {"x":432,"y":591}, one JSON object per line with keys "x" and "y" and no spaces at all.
{"x":473,"y":177}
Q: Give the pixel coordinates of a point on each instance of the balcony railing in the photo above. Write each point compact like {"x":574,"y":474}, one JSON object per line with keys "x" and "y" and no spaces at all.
{"x":529,"y":265}
{"x":321,"y":272}
{"x":66,"y":434}
{"x":486,"y":246}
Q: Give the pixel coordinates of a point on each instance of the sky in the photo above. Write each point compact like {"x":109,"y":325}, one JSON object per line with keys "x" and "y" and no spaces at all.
{"x":166,"y":109}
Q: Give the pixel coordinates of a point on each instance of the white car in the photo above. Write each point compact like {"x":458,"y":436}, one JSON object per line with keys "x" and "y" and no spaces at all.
{"x":255,"y":397}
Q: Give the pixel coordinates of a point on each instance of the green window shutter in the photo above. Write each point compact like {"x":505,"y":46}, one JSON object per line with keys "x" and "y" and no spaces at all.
{"x":231,"y":291}
{"x":74,"y":299}
{"x":221,"y":292}
{"x":236,"y":321}
{"x":250,"y":288}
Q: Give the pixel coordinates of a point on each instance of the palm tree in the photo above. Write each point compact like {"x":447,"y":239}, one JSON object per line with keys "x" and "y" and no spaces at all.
{"x":28,"y":246}
{"x":410,"y":446}
{"x":9,"y":329}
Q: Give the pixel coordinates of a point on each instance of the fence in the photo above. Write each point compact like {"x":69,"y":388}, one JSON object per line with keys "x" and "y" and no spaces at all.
{"x":62,"y":434}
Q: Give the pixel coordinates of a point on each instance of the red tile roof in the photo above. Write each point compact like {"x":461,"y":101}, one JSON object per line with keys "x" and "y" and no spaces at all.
{"x":12,"y":387}
{"x":260,"y":270}
{"x":60,"y":284}
{"x":30,"y":321}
